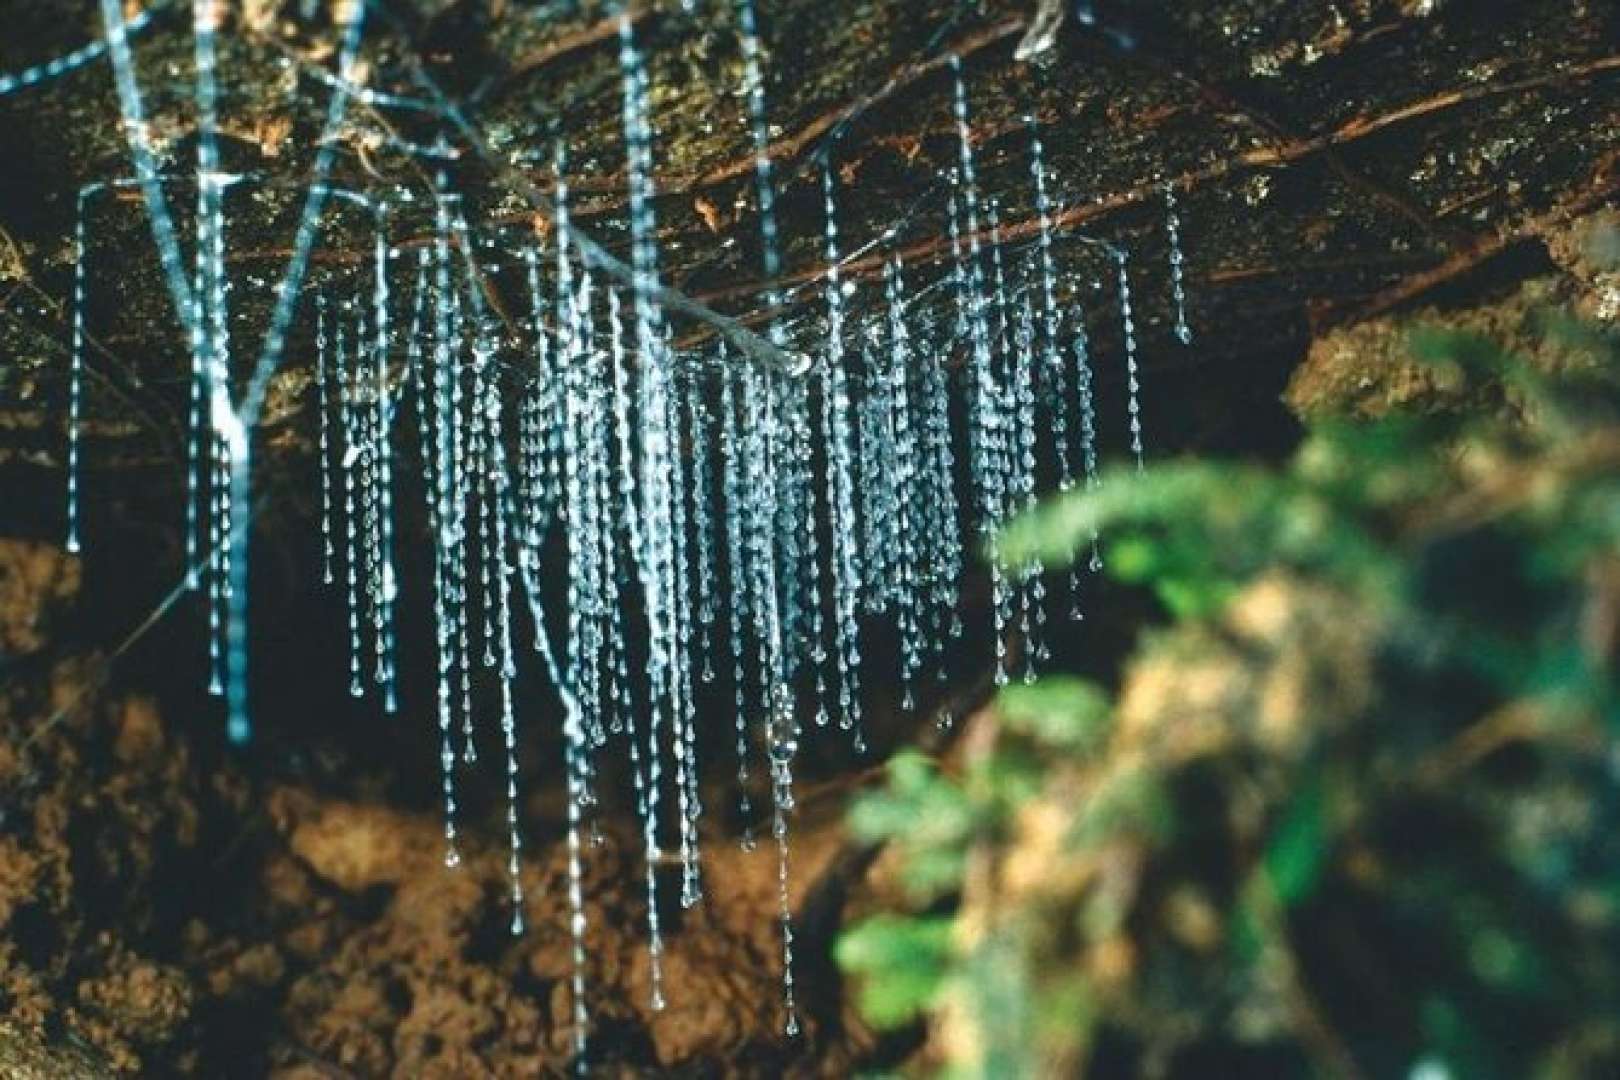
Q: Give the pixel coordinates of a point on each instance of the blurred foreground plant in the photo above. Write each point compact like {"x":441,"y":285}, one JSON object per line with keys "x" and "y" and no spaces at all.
{"x":1353,"y":810}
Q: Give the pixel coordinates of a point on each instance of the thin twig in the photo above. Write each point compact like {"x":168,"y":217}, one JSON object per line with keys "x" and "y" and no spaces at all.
{"x":597,"y":33}
{"x":1277,"y":155}
{"x":1491,"y":245}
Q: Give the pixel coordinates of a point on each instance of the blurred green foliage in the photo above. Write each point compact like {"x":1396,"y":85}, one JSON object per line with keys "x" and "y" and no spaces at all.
{"x":1353,"y":809}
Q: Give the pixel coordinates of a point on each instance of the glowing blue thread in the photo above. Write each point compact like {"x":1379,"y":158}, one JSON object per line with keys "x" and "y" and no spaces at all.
{"x":78,"y":58}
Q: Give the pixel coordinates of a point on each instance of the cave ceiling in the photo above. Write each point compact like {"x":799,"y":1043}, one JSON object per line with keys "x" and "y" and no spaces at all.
{"x":1332,"y":159}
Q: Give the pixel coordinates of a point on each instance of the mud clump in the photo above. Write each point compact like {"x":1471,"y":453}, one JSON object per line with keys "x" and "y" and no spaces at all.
{"x":37,"y":581}
{"x":166,"y":911}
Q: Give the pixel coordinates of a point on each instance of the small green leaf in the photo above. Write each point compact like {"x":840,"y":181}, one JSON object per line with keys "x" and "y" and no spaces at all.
{"x":928,"y":814}
{"x":901,"y":962}
{"x":1133,"y":558}
{"x":1193,"y":598}
{"x":1298,"y":847}
{"x":1061,"y":711}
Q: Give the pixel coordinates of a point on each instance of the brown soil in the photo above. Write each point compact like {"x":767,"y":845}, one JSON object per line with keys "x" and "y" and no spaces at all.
{"x":163,"y":912}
